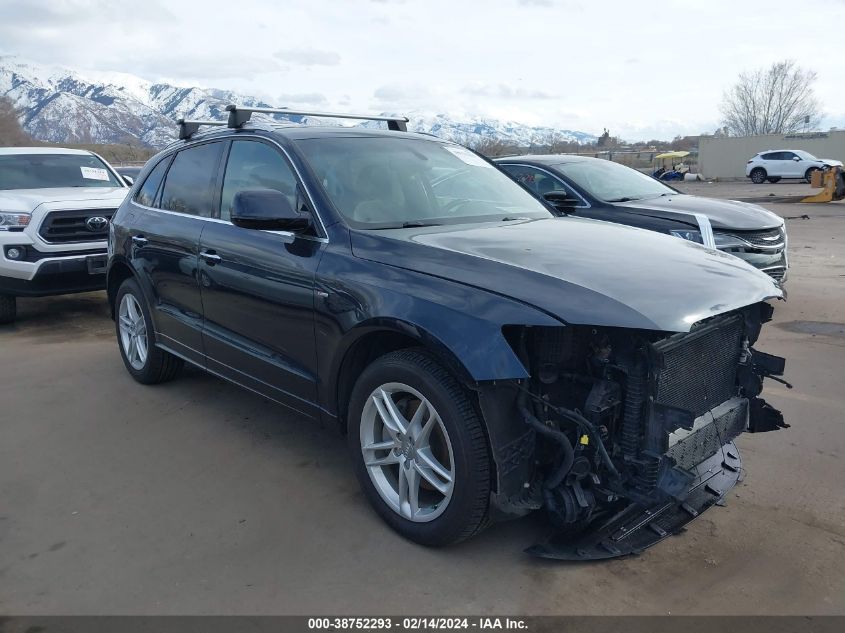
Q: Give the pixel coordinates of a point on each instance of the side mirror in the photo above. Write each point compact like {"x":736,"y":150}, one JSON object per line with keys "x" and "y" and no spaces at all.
{"x":266,"y":209}
{"x":129,"y":180}
{"x":796,"y":158}
{"x":561,"y":199}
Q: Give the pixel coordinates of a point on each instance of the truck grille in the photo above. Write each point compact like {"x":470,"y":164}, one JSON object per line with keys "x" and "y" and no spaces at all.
{"x":697,"y":371}
{"x":74,"y":226}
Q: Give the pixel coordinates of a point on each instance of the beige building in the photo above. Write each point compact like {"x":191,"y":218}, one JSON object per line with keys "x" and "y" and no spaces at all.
{"x":724,"y":157}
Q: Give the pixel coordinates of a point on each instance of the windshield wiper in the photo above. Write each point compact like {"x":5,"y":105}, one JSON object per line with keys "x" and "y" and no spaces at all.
{"x":625,"y":199}
{"x":416,"y":223}
{"x":514,"y":218}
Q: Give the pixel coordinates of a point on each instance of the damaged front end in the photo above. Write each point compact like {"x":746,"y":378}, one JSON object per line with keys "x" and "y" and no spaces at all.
{"x":624,"y":436}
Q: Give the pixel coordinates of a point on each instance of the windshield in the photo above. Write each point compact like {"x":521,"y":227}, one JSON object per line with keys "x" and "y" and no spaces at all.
{"x":805,"y":155}
{"x":612,"y":182}
{"x":48,"y":171}
{"x":379,"y":182}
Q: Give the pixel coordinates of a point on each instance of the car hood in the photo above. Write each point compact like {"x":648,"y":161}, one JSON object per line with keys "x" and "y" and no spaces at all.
{"x":831,"y":162}
{"x":723,"y":214}
{"x":27,"y":200}
{"x":580,"y":271}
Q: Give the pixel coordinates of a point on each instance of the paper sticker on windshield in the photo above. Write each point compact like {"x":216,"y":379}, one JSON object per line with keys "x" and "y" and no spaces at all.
{"x":94,"y":173}
{"x":468,"y":157}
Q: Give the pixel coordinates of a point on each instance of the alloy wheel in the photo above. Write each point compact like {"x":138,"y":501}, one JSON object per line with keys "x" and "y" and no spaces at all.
{"x":407,"y":452}
{"x":133,"y":331}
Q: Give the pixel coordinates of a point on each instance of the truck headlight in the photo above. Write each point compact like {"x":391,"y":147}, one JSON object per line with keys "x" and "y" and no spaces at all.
{"x":692,"y":236}
{"x":13,"y":220}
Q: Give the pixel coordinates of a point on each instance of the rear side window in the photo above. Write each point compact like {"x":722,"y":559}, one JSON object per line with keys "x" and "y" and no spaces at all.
{"x":147,"y":193}
{"x":255,"y":165}
{"x":188,"y":187}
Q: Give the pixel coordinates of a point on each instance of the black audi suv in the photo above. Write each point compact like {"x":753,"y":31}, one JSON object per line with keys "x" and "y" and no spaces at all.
{"x":604,"y":190}
{"x":485,"y":358}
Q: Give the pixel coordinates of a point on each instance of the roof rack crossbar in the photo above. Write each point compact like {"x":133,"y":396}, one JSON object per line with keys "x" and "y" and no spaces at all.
{"x":238,"y":115}
{"x":188,"y":128}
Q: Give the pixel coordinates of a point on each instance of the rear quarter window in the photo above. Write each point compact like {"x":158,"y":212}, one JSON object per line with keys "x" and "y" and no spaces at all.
{"x":147,"y":193}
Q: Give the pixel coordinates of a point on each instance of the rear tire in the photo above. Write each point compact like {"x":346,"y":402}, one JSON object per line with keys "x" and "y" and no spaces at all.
{"x":8,"y":309}
{"x":758,"y":175}
{"x":450,"y":465}
{"x":808,"y":175}
{"x":774,"y":179}
{"x":146,"y":363}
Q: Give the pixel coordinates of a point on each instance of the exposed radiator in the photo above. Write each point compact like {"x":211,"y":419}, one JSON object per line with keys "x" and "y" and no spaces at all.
{"x":697,"y":370}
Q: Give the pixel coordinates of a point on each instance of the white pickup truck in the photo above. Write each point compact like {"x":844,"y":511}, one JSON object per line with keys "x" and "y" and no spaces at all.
{"x":55,"y":208}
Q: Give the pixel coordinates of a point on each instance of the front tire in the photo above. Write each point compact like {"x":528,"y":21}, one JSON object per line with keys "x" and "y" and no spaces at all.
{"x":758,"y":175}
{"x":136,"y":338}
{"x":8,"y":309}
{"x":418,"y":449}
{"x":808,"y":175}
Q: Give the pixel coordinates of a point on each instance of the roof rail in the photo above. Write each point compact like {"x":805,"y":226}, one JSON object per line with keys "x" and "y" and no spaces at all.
{"x":188,"y":128}
{"x":238,"y":115}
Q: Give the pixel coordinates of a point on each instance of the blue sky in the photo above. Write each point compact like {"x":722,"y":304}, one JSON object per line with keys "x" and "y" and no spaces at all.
{"x":643,"y":69}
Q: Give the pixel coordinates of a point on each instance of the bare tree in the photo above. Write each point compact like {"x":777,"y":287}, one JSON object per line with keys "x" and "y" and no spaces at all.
{"x":776,"y":100}
{"x":11,"y":133}
{"x":492,"y":147}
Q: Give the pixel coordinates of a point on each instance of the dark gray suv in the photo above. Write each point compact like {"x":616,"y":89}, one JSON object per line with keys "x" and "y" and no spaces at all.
{"x":485,"y":358}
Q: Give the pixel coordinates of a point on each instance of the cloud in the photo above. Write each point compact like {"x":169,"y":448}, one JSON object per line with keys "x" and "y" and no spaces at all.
{"x":204,"y":67}
{"x":536,"y":3}
{"x":308,"y":57}
{"x":504,"y":91}
{"x":400,"y":92}
{"x":45,"y":14}
{"x":305,"y":97}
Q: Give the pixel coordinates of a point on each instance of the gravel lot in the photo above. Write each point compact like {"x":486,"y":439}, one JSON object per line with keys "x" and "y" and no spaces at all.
{"x":196,"y":497}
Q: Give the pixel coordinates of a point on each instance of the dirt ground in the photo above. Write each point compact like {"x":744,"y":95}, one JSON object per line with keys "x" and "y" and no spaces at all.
{"x":196,"y":497}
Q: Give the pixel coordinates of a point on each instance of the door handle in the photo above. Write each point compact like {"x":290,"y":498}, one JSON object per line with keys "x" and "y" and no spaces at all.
{"x":210,"y":257}
{"x":139,"y":240}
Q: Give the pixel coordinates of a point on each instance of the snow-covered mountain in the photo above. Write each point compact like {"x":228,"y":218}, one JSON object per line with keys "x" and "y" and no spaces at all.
{"x":478,"y":129}
{"x":66,"y":106}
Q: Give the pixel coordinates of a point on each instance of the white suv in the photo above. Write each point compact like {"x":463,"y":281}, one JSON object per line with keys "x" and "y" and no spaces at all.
{"x":55,"y":207}
{"x":772,"y":165}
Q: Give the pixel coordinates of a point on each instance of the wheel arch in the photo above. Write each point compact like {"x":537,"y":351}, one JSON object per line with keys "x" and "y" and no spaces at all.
{"x":370,"y":341}
{"x":118,"y":272}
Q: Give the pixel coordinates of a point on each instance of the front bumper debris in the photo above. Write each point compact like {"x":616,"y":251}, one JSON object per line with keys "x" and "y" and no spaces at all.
{"x":635,"y":528}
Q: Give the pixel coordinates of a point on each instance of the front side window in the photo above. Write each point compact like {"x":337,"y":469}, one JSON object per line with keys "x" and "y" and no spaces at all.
{"x":51,"y":171}
{"x":382,"y":182}
{"x":147,"y":193}
{"x":255,"y":165}
{"x":188,"y":186}
{"x":612,"y":182}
